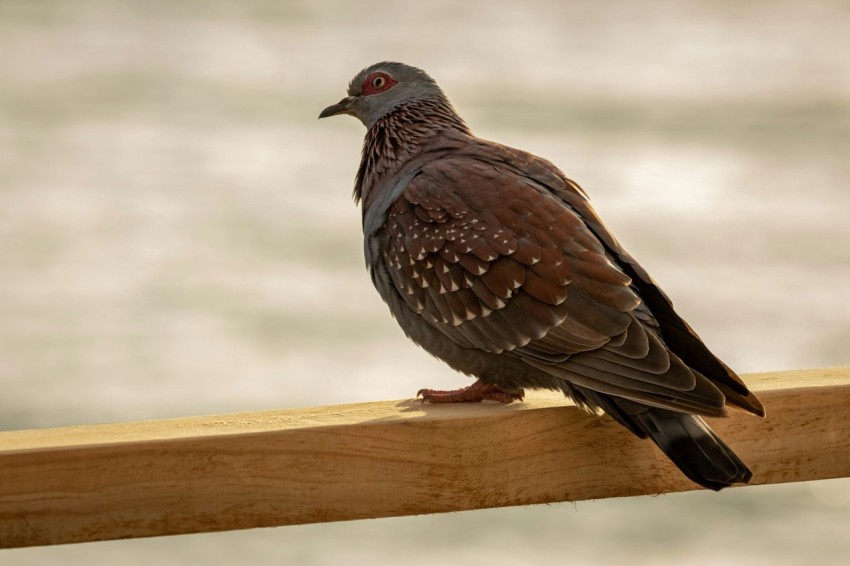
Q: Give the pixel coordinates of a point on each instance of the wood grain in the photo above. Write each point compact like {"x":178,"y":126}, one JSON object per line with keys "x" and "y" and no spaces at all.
{"x":383,"y":459}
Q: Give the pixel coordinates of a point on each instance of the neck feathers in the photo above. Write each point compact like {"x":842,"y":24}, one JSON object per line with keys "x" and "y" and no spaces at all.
{"x":401,"y":135}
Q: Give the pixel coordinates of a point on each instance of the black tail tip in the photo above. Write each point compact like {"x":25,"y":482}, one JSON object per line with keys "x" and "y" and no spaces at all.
{"x":713,"y":469}
{"x":695,"y":449}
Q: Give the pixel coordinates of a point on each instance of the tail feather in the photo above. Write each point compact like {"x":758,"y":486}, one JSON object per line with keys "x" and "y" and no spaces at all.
{"x":694,"y":448}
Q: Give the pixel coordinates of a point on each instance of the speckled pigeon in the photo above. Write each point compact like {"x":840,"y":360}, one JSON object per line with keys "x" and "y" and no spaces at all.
{"x":493,"y":261}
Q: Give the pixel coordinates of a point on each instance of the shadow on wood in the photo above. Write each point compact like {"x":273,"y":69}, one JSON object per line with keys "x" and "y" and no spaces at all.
{"x":381,"y":459}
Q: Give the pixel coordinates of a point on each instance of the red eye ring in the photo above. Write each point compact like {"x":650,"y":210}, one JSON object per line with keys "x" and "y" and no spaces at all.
{"x":378,"y":82}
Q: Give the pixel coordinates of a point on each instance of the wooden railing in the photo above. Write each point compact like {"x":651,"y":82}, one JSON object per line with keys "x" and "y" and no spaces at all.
{"x":382,"y":459}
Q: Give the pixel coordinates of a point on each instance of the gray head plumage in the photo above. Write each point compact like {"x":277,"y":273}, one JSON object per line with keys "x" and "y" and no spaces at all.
{"x":380,"y":88}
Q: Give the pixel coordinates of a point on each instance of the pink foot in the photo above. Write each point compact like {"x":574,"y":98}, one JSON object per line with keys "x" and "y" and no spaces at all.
{"x":475,"y":393}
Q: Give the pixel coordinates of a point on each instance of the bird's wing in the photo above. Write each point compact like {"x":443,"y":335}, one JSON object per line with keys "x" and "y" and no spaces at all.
{"x":677,"y":334}
{"x":496,"y":262}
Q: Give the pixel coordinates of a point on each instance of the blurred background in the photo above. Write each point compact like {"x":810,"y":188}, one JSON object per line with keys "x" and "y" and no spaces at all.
{"x":177,"y":235}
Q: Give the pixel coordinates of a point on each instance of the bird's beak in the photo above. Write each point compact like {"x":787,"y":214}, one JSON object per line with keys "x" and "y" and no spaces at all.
{"x":344,"y":106}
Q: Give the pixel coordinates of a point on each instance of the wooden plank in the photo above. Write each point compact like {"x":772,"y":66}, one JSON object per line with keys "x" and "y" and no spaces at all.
{"x":381,"y":459}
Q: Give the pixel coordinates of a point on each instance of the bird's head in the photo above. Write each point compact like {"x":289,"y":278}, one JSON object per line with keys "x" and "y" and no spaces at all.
{"x":377,"y":90}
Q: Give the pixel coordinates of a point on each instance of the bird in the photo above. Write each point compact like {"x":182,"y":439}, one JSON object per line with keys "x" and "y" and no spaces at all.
{"x":492,"y":260}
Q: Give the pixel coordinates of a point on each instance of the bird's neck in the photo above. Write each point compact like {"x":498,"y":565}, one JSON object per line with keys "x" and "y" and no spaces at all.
{"x":403,"y":134}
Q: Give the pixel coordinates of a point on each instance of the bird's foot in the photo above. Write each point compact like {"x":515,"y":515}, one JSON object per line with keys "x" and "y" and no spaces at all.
{"x":475,"y":393}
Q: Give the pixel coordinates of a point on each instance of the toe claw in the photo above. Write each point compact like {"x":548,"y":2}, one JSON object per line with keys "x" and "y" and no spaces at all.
{"x":475,"y":393}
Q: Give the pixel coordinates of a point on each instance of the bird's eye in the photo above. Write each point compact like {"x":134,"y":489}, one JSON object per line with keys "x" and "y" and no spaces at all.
{"x":377,"y":83}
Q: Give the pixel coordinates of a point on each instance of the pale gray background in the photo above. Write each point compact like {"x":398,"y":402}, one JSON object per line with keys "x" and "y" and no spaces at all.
{"x":177,"y":235}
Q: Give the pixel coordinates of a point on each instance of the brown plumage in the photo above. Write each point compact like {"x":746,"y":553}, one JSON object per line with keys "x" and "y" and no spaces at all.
{"x":492,"y":260}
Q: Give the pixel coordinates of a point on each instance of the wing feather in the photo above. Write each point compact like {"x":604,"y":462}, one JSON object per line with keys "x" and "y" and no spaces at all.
{"x":505,"y":263}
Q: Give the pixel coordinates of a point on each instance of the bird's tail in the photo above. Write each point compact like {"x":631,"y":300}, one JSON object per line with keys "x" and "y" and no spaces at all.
{"x":685,"y":438}
{"x":694,"y":448}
